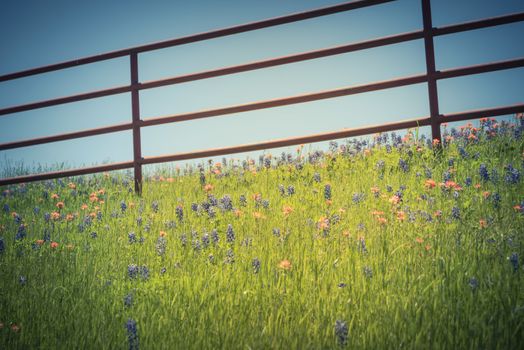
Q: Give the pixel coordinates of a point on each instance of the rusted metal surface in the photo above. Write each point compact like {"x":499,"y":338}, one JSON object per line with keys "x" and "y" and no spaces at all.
{"x":300,"y":16}
{"x":279,"y":102}
{"x":431,"y":77}
{"x":481,"y":113}
{"x":135,"y":108}
{"x":291,"y":141}
{"x":67,"y":136}
{"x":66,"y":173}
{"x":429,"y":51}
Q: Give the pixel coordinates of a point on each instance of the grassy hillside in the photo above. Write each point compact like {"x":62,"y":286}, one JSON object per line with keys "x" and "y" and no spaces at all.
{"x":388,"y":244}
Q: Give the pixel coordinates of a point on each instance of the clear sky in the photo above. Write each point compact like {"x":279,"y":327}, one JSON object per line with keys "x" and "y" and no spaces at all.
{"x":36,"y":33}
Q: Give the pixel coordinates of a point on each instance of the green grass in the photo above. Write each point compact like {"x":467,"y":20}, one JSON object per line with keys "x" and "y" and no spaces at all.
{"x":412,"y":287}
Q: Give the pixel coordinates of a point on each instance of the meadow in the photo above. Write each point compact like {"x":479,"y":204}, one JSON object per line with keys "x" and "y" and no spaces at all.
{"x":392,"y":242}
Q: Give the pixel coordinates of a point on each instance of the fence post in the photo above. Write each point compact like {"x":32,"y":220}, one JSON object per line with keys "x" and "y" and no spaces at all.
{"x":135,"y":105}
{"x":430,"y":70}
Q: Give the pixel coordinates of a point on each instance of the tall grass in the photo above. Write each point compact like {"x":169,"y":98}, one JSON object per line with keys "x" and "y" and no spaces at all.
{"x":352,"y":248}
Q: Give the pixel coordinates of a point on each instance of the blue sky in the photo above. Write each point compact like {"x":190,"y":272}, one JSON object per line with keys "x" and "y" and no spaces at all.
{"x":36,"y":33}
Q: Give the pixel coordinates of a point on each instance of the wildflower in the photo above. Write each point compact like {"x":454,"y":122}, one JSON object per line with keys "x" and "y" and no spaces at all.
{"x":342,"y":285}
{"x":327,"y":192}
{"x":214,"y":236}
{"x":473,"y":283}
{"x":362,"y":245}
{"x":285,"y":265}
{"x":15,"y":328}
{"x":21,"y":233}
{"x":403,"y":165}
{"x":258,"y":215}
{"x":401,"y":216}
{"x":128,"y":300}
{"x":419,"y":240}
{"x":132,"y":334}
{"x":230,"y":234}
{"x":54,"y":196}
{"x":256,"y":265}
{"x":514,"y":260}
{"x":395,"y":199}
{"x":483,"y":223}
{"x":376,"y":191}
{"x":430,"y":183}
{"x":316,"y":177}
{"x":2,"y":245}
{"x":154,"y":206}
{"x":22,"y":280}
{"x":60,"y":205}
{"x":230,"y":257}
{"x":123,"y":206}
{"x":160,"y":245}
{"x":382,"y":220}
{"x":357,"y":197}
{"x":55,"y":215}
{"x":179,"y":212}
{"x":512,"y":174}
{"x":483,"y":171}
{"x":131,"y":237}
{"x":208,"y":188}
{"x":455,"y":213}
{"x":341,"y":332}
{"x":94,"y":235}
{"x":54,"y":245}
{"x":287,"y":210}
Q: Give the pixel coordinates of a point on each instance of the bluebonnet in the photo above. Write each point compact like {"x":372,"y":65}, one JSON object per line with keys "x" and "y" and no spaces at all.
{"x":214,"y":236}
{"x":205,"y":240}
{"x":154,"y":206}
{"x":428,"y":173}
{"x":230,"y":234}
{"x":316,"y":177}
{"x":179,"y":212}
{"x":446,"y":176}
{"x":327,"y":191}
{"x":160,"y":245}
{"x":512,"y":174}
{"x":463,"y":152}
{"x":341,"y":332}
{"x":99,"y":216}
{"x":132,"y":271}
{"x":290,"y":190}
{"x":473,"y":283}
{"x":131,"y":237}
{"x":2,"y":245}
{"x":389,"y":188}
{"x":468,"y":181}
{"x":403,"y":165}
{"x":21,"y":233}
{"x":342,"y":285}
{"x":183,"y":239}
{"x":483,"y":172}
{"x":267,"y":162}
{"x":22,"y":280}
{"x":276,"y":232}
{"x":243,"y":200}
{"x":230,"y":257}
{"x":163,"y":270}
{"x":256,"y":265}
{"x":128,"y":300}
{"x":455,"y":213}
{"x":226,"y":202}
{"x":94,"y":235}
{"x":265,"y":203}
{"x":6,"y":208}
{"x":362,"y":245}
{"x":36,"y":210}
{"x":202,"y":178}
{"x":196,"y":245}
{"x":132,"y":334}
{"x":358,"y":197}
{"x":282,"y":190}
{"x":514,"y":260}
{"x":496,"y":199}
{"x":211,"y":212}
{"x":123,"y":206}
{"x":47,"y":235}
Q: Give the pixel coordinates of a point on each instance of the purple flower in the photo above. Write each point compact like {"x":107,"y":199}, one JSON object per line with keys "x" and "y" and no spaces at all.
{"x":179,"y":212}
{"x":514,"y":260}
{"x":341,"y":332}
{"x":230,"y":234}
{"x":483,"y":172}
{"x":132,"y":334}
{"x":256,"y":265}
{"x":327,"y":191}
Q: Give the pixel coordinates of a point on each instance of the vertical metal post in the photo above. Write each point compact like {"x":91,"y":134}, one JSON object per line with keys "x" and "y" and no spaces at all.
{"x":135,"y":105}
{"x":430,"y":68}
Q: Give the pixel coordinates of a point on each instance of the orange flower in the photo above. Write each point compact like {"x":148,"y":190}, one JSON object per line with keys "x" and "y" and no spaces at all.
{"x":60,"y":205}
{"x":55,"y":215}
{"x":483,"y":223}
{"x":83,"y":207}
{"x":170,"y":180}
{"x":394,"y":199}
{"x":377,"y":213}
{"x":323,"y":223}
{"x":208,"y":188}
{"x":430,"y":183}
{"x":285,"y":265}
{"x":71,"y":185}
{"x":329,"y":202}
{"x":419,"y":240}
{"x":287,"y":210}
{"x":401,"y":216}
{"x":486,"y":194}
{"x":436,"y":142}
{"x":14,"y":214}
{"x":427,"y":247}
{"x":477,"y":186}
{"x":54,"y":245}
{"x":517,"y":207}
{"x":92,"y":214}
{"x":238,"y":213}
{"x":257,"y":197}
{"x":382,"y":220}
{"x":367,"y":152}
{"x":375,"y":189}
{"x":93,"y":197}
{"x":346,"y":234}
{"x":101,"y":191}
{"x":54,"y":196}
{"x":69,"y":217}
{"x":162,"y":233}
{"x":40,"y":241}
{"x":258,"y":215}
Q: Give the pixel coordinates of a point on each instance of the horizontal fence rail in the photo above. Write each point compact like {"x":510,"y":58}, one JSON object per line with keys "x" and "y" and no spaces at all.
{"x":430,"y":77}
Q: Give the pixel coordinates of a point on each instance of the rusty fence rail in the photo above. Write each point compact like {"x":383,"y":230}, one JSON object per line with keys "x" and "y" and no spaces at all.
{"x":431,"y":77}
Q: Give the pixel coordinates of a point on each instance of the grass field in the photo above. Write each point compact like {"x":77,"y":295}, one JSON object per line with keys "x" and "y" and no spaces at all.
{"x":386,"y":244}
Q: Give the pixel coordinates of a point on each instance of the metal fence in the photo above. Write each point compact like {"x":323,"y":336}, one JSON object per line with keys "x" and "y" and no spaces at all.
{"x":427,"y":33}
